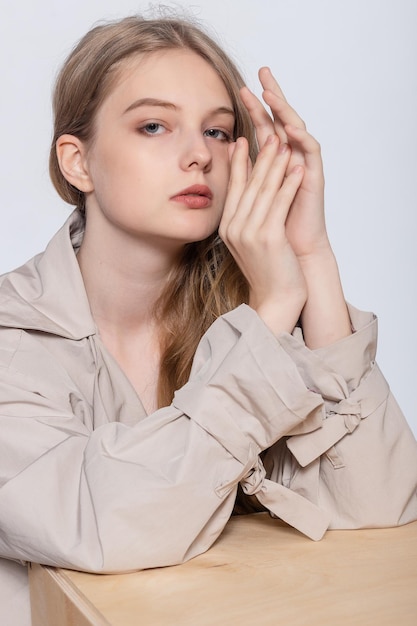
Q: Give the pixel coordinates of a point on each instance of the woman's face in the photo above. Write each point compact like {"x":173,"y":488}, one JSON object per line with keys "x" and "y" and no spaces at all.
{"x":159,"y":163}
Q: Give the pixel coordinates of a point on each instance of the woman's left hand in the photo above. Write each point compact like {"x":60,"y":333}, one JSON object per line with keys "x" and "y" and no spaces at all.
{"x":305,"y":226}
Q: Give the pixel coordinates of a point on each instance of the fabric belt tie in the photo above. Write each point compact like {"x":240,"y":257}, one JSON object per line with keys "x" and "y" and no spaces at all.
{"x":342,"y":419}
{"x":289,"y":506}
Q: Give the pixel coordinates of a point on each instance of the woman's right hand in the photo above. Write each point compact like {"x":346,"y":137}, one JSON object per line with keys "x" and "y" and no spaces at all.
{"x":253,"y":228}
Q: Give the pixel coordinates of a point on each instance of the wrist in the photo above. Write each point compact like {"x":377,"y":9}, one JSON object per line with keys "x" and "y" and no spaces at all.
{"x":280,"y":315}
{"x":325,"y":317}
{"x":319,"y":260}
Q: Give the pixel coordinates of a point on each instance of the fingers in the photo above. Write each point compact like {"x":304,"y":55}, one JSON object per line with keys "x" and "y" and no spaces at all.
{"x":268,"y":81}
{"x":252,"y":197}
{"x":302,"y":142}
{"x":262,"y":121}
{"x":281,"y":110}
{"x":264,"y":181}
{"x":253,"y":227}
{"x":239,"y":175}
{"x":263,"y":185}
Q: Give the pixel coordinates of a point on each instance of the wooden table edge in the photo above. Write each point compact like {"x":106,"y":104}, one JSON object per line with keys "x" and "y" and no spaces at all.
{"x":54,"y":594}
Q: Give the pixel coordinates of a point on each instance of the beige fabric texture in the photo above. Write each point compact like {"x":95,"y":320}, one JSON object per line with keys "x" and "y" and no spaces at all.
{"x":89,"y":481}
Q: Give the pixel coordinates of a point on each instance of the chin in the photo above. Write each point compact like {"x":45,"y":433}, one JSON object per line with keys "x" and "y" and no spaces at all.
{"x":192,"y":233}
{"x":199,"y":236}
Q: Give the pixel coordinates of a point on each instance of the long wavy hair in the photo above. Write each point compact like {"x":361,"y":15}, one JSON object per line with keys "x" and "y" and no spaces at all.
{"x":206,"y":282}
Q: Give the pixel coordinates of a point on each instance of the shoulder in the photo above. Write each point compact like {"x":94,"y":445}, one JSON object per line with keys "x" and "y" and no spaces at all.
{"x":47,"y":293}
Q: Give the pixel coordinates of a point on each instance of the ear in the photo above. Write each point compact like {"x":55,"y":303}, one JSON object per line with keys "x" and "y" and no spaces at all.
{"x":71,"y":155}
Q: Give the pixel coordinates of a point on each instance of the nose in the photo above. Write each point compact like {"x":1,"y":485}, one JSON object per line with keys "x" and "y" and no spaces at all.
{"x":195,"y":153}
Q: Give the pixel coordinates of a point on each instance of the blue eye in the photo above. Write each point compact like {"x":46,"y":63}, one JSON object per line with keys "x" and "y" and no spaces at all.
{"x":152,"y":128}
{"x":216,"y":133}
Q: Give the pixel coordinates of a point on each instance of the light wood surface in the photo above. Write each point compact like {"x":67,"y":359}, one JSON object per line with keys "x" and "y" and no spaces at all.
{"x":258,"y":572}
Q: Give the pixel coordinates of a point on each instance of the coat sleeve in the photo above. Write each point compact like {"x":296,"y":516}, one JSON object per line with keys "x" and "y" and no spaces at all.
{"x":119,"y":498}
{"x":360,"y":465}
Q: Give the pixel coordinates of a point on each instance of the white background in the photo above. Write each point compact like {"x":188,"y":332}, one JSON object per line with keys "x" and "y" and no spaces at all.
{"x":348,"y":67}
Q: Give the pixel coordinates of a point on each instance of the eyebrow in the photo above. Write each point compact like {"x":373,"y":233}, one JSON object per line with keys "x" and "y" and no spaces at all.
{"x":154,"y":102}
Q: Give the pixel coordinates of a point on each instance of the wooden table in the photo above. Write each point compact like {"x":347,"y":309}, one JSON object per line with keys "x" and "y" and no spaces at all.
{"x":258,"y":572}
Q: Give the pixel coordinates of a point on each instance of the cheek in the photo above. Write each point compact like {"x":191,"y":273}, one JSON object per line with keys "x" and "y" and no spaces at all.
{"x":112,"y":169}
{"x":223,"y":178}
{"x":222,"y":162}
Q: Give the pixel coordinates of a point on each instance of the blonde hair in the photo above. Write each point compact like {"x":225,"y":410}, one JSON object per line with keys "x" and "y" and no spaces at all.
{"x":207,"y":282}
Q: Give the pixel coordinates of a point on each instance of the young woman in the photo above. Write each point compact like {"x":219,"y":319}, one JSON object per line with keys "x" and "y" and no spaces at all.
{"x":185,"y":331}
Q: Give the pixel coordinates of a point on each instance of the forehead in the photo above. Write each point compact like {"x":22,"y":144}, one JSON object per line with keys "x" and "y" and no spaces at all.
{"x":178,"y":75}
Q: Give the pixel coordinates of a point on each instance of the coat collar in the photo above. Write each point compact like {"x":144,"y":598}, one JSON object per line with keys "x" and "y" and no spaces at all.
{"x":47,"y":294}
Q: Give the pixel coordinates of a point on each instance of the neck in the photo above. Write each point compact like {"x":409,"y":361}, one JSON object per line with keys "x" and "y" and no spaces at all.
{"x":123,"y":277}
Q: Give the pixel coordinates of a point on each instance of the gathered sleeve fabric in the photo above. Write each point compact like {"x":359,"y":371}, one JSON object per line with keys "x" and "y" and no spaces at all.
{"x":85,"y":484}
{"x":360,"y":465}
{"x":79,"y":490}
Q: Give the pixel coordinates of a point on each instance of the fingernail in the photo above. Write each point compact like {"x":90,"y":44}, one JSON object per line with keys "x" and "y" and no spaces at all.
{"x":283,"y":148}
{"x":270,"y":139}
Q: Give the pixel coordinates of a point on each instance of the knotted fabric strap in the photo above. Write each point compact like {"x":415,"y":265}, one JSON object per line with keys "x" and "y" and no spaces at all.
{"x":289,"y":506}
{"x":342,"y":420}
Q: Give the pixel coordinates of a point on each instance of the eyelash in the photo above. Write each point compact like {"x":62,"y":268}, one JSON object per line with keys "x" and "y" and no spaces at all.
{"x":226,"y":136}
{"x":145,"y":131}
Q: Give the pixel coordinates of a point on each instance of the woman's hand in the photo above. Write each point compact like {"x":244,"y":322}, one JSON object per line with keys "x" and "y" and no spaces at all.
{"x":305,"y":227}
{"x":253,"y":228}
{"x":302,"y":261}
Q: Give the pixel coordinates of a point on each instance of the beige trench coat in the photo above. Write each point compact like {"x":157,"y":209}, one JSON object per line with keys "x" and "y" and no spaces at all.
{"x":89,"y":481}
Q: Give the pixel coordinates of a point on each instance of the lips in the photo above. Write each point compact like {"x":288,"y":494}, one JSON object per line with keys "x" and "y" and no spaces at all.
{"x":194,"y":197}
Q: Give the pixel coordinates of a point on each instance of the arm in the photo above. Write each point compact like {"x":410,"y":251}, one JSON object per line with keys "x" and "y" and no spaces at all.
{"x":120,"y":498}
{"x":361,"y":466}
{"x":324,"y":315}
